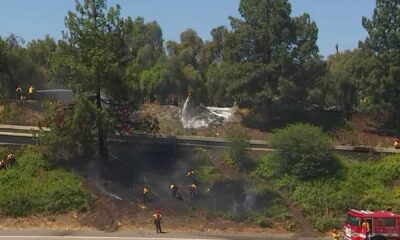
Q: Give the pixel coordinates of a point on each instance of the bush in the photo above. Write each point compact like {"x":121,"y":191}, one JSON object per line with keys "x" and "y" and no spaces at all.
{"x":205,"y":170}
{"x":11,"y":114}
{"x":265,"y":168}
{"x":260,"y":219}
{"x":238,"y":142}
{"x":32,"y":163}
{"x":322,"y":198}
{"x":325,"y":224}
{"x":303,"y":151}
{"x":372,"y":185}
{"x":31,"y":186}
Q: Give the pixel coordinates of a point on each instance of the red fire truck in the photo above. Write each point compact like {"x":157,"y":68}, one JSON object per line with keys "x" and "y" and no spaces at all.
{"x":384,"y":225}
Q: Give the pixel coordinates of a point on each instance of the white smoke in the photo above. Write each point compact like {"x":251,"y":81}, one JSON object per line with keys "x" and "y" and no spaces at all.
{"x":203,"y":117}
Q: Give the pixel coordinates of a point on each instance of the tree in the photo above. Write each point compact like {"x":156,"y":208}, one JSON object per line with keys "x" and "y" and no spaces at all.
{"x":91,"y":57}
{"x":22,"y":64}
{"x":341,"y":85}
{"x":184,"y":64}
{"x":145,"y":70}
{"x":270,"y":60}
{"x":40,"y":52}
{"x":383,"y":84}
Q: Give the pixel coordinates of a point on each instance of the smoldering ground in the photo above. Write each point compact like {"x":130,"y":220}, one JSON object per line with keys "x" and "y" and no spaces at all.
{"x":159,"y":166}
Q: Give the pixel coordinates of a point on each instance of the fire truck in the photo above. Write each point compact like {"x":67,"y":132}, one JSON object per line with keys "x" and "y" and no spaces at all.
{"x":384,"y":225}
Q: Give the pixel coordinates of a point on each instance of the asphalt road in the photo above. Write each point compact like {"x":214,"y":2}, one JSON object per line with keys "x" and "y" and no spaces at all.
{"x":121,"y":235}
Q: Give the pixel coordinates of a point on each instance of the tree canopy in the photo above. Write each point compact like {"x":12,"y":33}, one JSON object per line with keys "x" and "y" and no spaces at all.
{"x":383,"y":84}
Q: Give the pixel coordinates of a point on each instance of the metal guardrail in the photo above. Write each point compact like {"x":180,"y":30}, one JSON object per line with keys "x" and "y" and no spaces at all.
{"x":21,"y":135}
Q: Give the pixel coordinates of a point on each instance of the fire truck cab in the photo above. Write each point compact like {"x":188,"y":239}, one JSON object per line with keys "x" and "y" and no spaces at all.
{"x":384,"y":225}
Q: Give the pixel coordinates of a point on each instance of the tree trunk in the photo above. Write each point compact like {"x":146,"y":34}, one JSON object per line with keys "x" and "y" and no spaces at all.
{"x":103,"y":151}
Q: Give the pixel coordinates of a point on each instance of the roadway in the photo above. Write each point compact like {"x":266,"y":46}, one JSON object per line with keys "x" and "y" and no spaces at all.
{"x":124,"y":235}
{"x":16,"y":135}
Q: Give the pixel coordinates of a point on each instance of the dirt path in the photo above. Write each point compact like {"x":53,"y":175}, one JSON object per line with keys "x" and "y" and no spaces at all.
{"x":306,"y":229}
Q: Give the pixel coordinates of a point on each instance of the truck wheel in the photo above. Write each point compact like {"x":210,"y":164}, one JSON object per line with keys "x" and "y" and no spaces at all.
{"x":378,"y":238}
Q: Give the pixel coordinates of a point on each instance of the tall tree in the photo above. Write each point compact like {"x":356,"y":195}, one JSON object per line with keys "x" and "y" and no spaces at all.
{"x":145,"y":71}
{"x":184,"y":64}
{"x":92,"y":57}
{"x":270,"y":59}
{"x":22,"y":64}
{"x":383,"y":84}
{"x":11,"y":58}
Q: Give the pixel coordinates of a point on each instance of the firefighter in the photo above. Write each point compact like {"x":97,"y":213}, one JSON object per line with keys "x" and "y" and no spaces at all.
{"x":365,"y":230}
{"x":7,"y":161}
{"x":190,"y":173}
{"x":192,"y":191}
{"x":146,"y":190}
{"x":10,"y":160}
{"x":397,"y":143}
{"x":31,"y":90}
{"x":157,"y":221}
{"x":19,"y":93}
{"x":2,"y":164}
{"x":335,"y":234}
{"x":174,"y":190}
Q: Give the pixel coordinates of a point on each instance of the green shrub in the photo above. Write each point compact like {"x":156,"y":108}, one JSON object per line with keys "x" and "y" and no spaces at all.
{"x":325,"y":224}
{"x":61,"y":192}
{"x":372,"y":185}
{"x":32,"y":163}
{"x":238,"y":142}
{"x":322,"y":198}
{"x":205,"y":170}
{"x":11,"y":114}
{"x":260,"y":219}
{"x":265,"y":168}
{"x":303,"y":151}
{"x":32,"y":186}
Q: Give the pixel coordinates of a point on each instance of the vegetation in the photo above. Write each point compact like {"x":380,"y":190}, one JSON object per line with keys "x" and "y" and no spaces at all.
{"x":267,"y":61}
{"x":238,"y":142}
{"x":304,"y":152}
{"x":306,"y":166}
{"x":382,"y":43}
{"x":32,"y":186}
{"x":205,"y":170}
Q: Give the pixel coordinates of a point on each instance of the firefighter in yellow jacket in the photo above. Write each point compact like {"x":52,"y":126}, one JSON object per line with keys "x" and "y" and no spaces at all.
{"x":192,"y":191}
{"x":335,"y":234}
{"x":145,"y":192}
{"x":190,"y":173}
{"x":31,"y":91}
